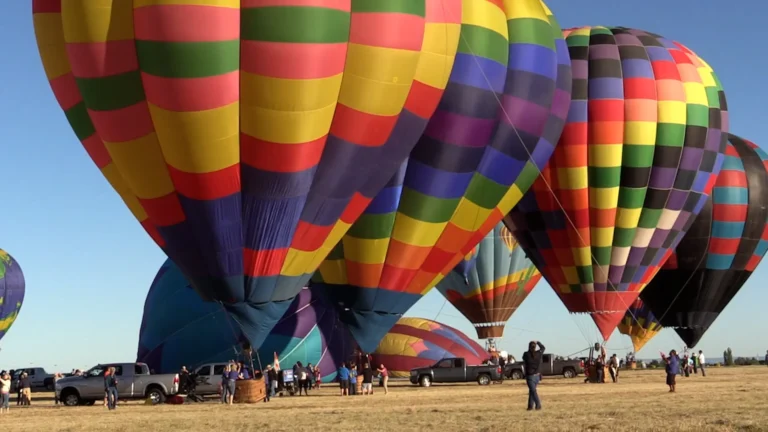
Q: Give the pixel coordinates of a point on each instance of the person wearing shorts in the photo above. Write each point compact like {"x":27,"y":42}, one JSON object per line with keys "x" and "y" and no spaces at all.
{"x":343,"y":374}
{"x":367,"y":379}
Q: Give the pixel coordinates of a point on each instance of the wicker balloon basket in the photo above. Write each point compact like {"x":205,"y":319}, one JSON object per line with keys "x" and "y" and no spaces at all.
{"x":632,"y":365}
{"x":250,"y":391}
{"x":359,"y":384}
{"x":593,"y":374}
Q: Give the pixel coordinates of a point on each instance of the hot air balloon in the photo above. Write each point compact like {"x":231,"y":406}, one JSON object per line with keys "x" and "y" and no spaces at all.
{"x":179,"y":328}
{"x":248,"y":143}
{"x":418,"y":342}
{"x":474,"y":162}
{"x":11,"y":291}
{"x":643,"y":144}
{"x":639,"y":324}
{"x":495,"y":286}
{"x":721,"y":249}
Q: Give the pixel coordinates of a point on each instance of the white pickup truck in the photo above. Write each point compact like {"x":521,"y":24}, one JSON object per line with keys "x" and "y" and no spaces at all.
{"x":134,"y":381}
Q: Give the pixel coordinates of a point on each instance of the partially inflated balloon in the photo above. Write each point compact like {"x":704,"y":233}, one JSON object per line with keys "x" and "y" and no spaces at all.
{"x":417,"y":342}
{"x":640,"y":324}
{"x":721,"y":249}
{"x":247,"y":136}
{"x":180,"y":329}
{"x":496,"y":126}
{"x":495,"y":286}
{"x":12,"y":288}
{"x":643,"y":144}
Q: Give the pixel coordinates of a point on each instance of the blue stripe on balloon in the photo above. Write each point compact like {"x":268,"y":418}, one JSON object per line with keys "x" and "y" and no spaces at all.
{"x":727,"y":230}
{"x":606,"y":88}
{"x":732,"y":163}
{"x":500,"y":167}
{"x":386,"y":201}
{"x":533,"y":58}
{"x":435,"y":182}
{"x":762,"y":248}
{"x":577,"y":112}
{"x":466,"y":71}
{"x":731,"y":195}
{"x":719,"y":261}
{"x":637,"y":68}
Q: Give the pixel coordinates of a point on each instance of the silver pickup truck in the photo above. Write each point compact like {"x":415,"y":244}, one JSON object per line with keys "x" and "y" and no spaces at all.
{"x":134,"y":381}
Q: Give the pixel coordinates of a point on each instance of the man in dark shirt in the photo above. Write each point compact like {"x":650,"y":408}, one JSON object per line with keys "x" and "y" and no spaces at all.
{"x":367,"y":379}
{"x":532,"y":363}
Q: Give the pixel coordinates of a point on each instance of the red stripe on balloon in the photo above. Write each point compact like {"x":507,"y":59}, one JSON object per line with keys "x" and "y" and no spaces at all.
{"x":263,"y":262}
{"x":285,"y":158}
{"x":164,"y":211}
{"x":206,"y":186}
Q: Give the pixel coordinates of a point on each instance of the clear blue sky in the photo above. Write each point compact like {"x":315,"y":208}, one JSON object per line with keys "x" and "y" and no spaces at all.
{"x":88,"y":264}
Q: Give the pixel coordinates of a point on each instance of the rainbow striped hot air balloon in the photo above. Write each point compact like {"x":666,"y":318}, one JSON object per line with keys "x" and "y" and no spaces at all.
{"x":12,"y":289}
{"x":417,"y":342}
{"x":643,"y":144}
{"x":246,"y":135}
{"x":721,"y":249}
{"x":493,"y":289}
{"x":476,"y":159}
{"x":640,"y":324}
{"x":178,"y":328}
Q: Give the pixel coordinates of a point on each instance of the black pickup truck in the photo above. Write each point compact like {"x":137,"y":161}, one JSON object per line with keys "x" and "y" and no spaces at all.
{"x":550,"y":366}
{"x":455,"y":370}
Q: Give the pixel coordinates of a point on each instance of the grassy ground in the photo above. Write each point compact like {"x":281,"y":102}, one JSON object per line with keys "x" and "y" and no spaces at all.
{"x":728,"y":399}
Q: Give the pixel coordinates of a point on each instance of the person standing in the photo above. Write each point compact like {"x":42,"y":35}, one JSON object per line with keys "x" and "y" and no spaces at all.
{"x":232,"y":377}
{"x":272,"y":376}
{"x":26,"y":389}
{"x":353,"y":380}
{"x":673,"y":368}
{"x":532,"y":363}
{"x":600,"y":368}
{"x":56,"y":377}
{"x":343,"y":375}
{"x":613,"y":368}
{"x":5,"y":392}
{"x":702,"y":360}
{"x":110,"y":383}
{"x":384,"y":377}
{"x":367,"y":379}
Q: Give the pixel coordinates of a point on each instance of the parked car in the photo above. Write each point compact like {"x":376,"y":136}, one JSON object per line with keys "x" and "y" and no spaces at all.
{"x":550,"y":366}
{"x":37,"y":376}
{"x":134,"y":381}
{"x":455,"y":370}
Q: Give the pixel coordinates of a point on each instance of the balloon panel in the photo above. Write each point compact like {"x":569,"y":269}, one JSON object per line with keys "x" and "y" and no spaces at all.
{"x":495,"y":286}
{"x":500,"y":116}
{"x":248,"y":144}
{"x":180,"y":329}
{"x":640,"y":324}
{"x":12,"y":289}
{"x":641,"y":149}
{"x":721,"y":250}
{"x":418,"y":342}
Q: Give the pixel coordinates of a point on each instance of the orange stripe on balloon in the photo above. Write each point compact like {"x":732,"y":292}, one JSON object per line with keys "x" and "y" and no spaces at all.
{"x":292,"y":60}
{"x":263,"y":262}
{"x":344,"y":5}
{"x":102,"y":59}
{"x":361,"y":128}
{"x":309,"y":237}
{"x":356,"y":206}
{"x":417,"y":283}
{"x":186,"y":23}
{"x":65,"y":90}
{"x":276,"y":157}
{"x":388,"y":30}
{"x":165,"y":210}
{"x":396,"y":278}
{"x":96,"y":149}
{"x":192,"y":94}
{"x":363,"y":275}
{"x":207,"y":186}
{"x":124,"y":124}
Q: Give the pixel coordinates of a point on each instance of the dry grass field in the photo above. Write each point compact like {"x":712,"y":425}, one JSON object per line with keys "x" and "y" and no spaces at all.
{"x":729,"y":399}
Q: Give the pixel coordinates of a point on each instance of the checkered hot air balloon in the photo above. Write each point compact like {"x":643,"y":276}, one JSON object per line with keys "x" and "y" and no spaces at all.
{"x":476,"y":159}
{"x":501,"y":278}
{"x":12,"y":288}
{"x":721,"y":249}
{"x":247,"y":136}
{"x":642,"y":147}
{"x":640,"y":324}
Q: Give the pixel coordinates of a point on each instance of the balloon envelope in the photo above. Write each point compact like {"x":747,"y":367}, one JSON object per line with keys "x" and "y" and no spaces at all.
{"x":419,"y":342}
{"x":180,"y":329}
{"x":643,"y":144}
{"x":247,"y":144}
{"x":495,"y":286}
{"x":12,"y":288}
{"x":476,"y":159}
{"x":721,"y":249}
{"x":639,"y":324}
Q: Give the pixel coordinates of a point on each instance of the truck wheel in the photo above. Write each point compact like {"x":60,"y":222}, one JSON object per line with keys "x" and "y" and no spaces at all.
{"x":70,"y":398}
{"x":569,"y":373}
{"x":156,"y":395}
{"x":484,"y":379}
{"x":425,"y":381}
{"x":516,"y":375}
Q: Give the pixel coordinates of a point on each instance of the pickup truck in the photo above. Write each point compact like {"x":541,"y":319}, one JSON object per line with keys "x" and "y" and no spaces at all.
{"x":455,"y":370}
{"x":37,"y":376}
{"x":209,"y":378}
{"x":550,"y":366}
{"x":134,"y":381}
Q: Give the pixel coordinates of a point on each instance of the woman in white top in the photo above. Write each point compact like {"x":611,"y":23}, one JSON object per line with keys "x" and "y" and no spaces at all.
{"x":5,"y":392}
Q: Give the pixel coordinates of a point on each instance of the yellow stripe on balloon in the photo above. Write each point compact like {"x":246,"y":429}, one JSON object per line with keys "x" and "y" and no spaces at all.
{"x":672,"y":112}
{"x":199,"y":141}
{"x":627,"y":218}
{"x":640,"y":132}
{"x":366,"y":251}
{"x":437,"y":54}
{"x":573,"y":178}
{"x":582,"y":256}
{"x":377,"y":80}
{"x":605,"y":155}
{"x":482,"y":13}
{"x":232,"y":4}
{"x":604,"y":198}
{"x":50,"y":43}
{"x":695,"y":93}
{"x":334,"y":272}
{"x":142,"y":166}
{"x":526,"y":9}
{"x":93,"y":20}
{"x":601,"y":236}
{"x":286,"y":127}
{"x":469,"y":216}
{"x":510,"y":199}
{"x":115,"y":179}
{"x":415,"y":232}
